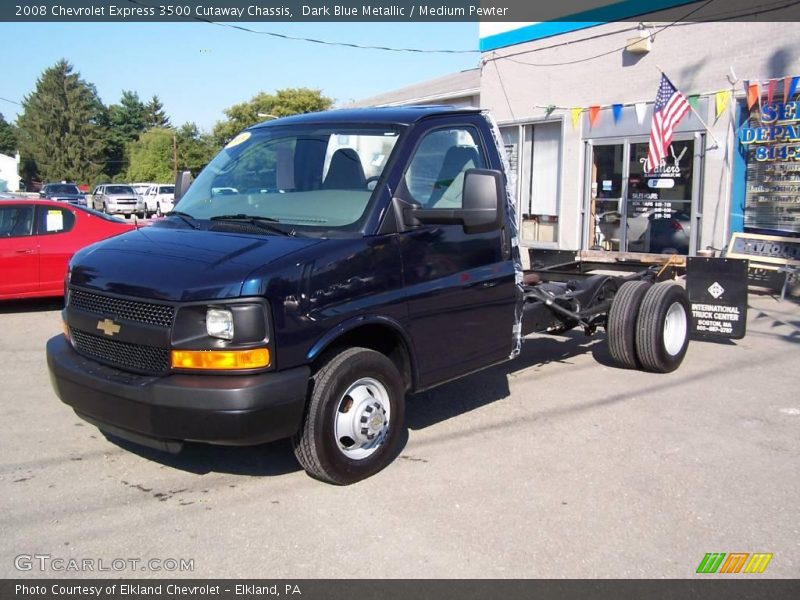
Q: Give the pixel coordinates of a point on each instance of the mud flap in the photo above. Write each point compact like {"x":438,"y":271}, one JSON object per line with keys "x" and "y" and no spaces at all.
{"x":717,"y":289}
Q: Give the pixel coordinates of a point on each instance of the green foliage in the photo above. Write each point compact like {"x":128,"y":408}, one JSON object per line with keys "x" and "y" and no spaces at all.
{"x":61,"y":128}
{"x":8,"y":137}
{"x":128,"y":119}
{"x":285,"y":102}
{"x":195,"y":149}
{"x":154,"y":114}
{"x":151,"y":156}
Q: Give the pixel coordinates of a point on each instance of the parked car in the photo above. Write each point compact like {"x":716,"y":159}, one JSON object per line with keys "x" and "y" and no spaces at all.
{"x":648,"y":231}
{"x":669,"y":234}
{"x":159,"y":199}
{"x":117,"y":199}
{"x":141,"y":188}
{"x":64,"y":192}
{"x":37,"y":239}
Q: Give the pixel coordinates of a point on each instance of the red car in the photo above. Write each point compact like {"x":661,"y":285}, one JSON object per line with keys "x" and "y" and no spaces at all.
{"x":37,"y":239}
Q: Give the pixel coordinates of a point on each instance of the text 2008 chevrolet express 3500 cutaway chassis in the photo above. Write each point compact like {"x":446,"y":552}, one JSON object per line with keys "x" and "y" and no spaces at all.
{"x":319,"y":269}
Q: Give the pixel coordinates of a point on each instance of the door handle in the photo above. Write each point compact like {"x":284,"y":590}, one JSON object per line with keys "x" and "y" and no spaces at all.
{"x":24,"y":251}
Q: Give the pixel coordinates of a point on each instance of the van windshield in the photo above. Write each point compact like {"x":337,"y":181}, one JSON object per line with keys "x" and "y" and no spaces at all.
{"x":304,"y":176}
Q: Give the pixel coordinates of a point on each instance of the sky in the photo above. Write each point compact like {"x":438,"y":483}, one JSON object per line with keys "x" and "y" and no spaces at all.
{"x":199,"y":69}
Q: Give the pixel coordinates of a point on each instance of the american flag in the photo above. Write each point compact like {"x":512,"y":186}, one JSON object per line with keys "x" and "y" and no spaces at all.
{"x":669,"y":109}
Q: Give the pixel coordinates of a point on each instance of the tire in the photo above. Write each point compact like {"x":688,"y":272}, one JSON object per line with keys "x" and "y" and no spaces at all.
{"x":353,"y":419}
{"x":622,"y":319}
{"x":662,"y":329}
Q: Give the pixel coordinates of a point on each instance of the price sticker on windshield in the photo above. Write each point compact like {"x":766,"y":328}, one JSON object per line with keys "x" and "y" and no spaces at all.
{"x":241,"y":138}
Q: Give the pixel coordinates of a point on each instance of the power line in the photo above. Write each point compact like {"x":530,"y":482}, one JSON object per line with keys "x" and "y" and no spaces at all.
{"x":318,"y":41}
{"x":11,"y":101}
{"x":614,"y":51}
{"x":729,"y":15}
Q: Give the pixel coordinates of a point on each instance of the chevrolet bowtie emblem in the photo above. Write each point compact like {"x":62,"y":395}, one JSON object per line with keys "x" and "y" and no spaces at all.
{"x":108,"y":327}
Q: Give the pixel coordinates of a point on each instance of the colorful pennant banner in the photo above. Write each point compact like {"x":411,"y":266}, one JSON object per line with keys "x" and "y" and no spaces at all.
{"x":617,"y":109}
{"x":722,"y":99}
{"x":753,"y":91}
{"x":576,"y":117}
{"x":594,"y":113}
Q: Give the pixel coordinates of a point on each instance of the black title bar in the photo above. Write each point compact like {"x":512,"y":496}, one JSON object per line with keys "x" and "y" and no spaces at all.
{"x":395,"y":10}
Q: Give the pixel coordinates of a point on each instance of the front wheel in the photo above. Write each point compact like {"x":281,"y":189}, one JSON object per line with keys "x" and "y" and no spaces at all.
{"x":353,"y":419}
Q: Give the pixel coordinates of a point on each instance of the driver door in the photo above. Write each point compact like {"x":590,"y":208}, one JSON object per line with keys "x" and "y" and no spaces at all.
{"x":461,"y":286}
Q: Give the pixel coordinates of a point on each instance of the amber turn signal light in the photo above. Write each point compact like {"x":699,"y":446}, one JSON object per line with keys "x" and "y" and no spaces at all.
{"x":220,"y":360}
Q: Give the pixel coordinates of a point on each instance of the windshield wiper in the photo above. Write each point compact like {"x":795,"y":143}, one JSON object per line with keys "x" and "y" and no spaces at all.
{"x":259,"y":221}
{"x":186,"y":217}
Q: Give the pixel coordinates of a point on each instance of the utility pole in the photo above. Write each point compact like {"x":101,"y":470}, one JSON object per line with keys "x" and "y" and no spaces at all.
{"x":174,"y":156}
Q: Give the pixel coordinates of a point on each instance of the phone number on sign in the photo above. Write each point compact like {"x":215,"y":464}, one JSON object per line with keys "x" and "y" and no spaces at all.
{"x":764,"y":153}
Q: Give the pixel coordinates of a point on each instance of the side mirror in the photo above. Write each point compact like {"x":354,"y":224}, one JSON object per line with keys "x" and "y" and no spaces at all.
{"x":483,"y":192}
{"x":182,"y":183}
{"x":480,"y":205}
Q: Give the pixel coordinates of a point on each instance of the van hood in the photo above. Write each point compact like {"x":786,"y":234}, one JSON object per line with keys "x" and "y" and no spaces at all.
{"x":179,"y":265}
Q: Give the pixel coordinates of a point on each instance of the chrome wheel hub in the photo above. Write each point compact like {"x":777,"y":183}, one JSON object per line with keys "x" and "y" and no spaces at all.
{"x":675,"y":328}
{"x":362,"y":418}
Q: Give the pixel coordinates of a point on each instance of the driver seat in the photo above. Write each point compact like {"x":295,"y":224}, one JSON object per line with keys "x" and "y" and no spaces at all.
{"x":345,"y":171}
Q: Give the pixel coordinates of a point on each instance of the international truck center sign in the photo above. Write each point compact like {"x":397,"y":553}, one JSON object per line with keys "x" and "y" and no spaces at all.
{"x":717,"y":289}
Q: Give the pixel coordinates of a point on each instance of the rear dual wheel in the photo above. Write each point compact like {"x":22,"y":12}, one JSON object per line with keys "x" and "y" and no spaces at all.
{"x":648,"y":326}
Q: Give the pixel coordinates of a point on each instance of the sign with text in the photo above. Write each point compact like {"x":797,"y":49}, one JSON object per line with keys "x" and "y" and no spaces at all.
{"x":772,"y":249}
{"x":717,"y":289}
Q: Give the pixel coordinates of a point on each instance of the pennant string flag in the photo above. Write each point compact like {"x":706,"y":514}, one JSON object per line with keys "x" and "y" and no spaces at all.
{"x":792,"y":88}
{"x":722,"y":99}
{"x":576,"y":115}
{"x":617,"y":110}
{"x":694,"y":101}
{"x":594,"y":113}
{"x":753,"y":95}
{"x":641,"y":111}
{"x":771,"y":84}
{"x":669,"y":108}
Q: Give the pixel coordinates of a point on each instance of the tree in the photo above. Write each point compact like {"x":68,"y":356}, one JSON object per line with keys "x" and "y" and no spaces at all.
{"x":154,"y":114}
{"x":151,"y":156}
{"x":285,"y":102}
{"x":8,"y":137}
{"x":61,"y":126}
{"x":128,"y":119}
{"x":124,"y":121}
{"x":195,"y":149}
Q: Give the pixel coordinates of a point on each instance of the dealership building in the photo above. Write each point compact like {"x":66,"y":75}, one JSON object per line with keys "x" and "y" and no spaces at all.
{"x":574,"y":102}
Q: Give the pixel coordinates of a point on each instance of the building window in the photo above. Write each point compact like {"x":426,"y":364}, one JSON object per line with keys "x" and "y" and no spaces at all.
{"x":535,"y":164}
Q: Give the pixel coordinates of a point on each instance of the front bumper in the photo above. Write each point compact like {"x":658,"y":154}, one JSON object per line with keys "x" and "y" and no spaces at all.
{"x":235,"y":410}
{"x":122,"y":209}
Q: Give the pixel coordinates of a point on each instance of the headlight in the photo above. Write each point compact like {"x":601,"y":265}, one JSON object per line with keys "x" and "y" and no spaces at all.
{"x":219,"y":323}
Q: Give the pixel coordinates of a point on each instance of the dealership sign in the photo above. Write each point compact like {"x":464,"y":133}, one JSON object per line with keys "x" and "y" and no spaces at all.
{"x":780,"y":128}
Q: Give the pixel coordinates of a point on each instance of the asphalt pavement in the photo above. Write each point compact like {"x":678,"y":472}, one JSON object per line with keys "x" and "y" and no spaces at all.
{"x":553,"y":465}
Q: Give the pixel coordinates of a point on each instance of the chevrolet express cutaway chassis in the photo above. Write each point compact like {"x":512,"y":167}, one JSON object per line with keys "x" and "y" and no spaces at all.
{"x":318,"y":270}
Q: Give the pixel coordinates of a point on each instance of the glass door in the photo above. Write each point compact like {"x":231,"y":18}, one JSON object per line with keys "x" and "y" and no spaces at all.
{"x":607,"y":183}
{"x":633,"y":210}
{"x":658,"y":208}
